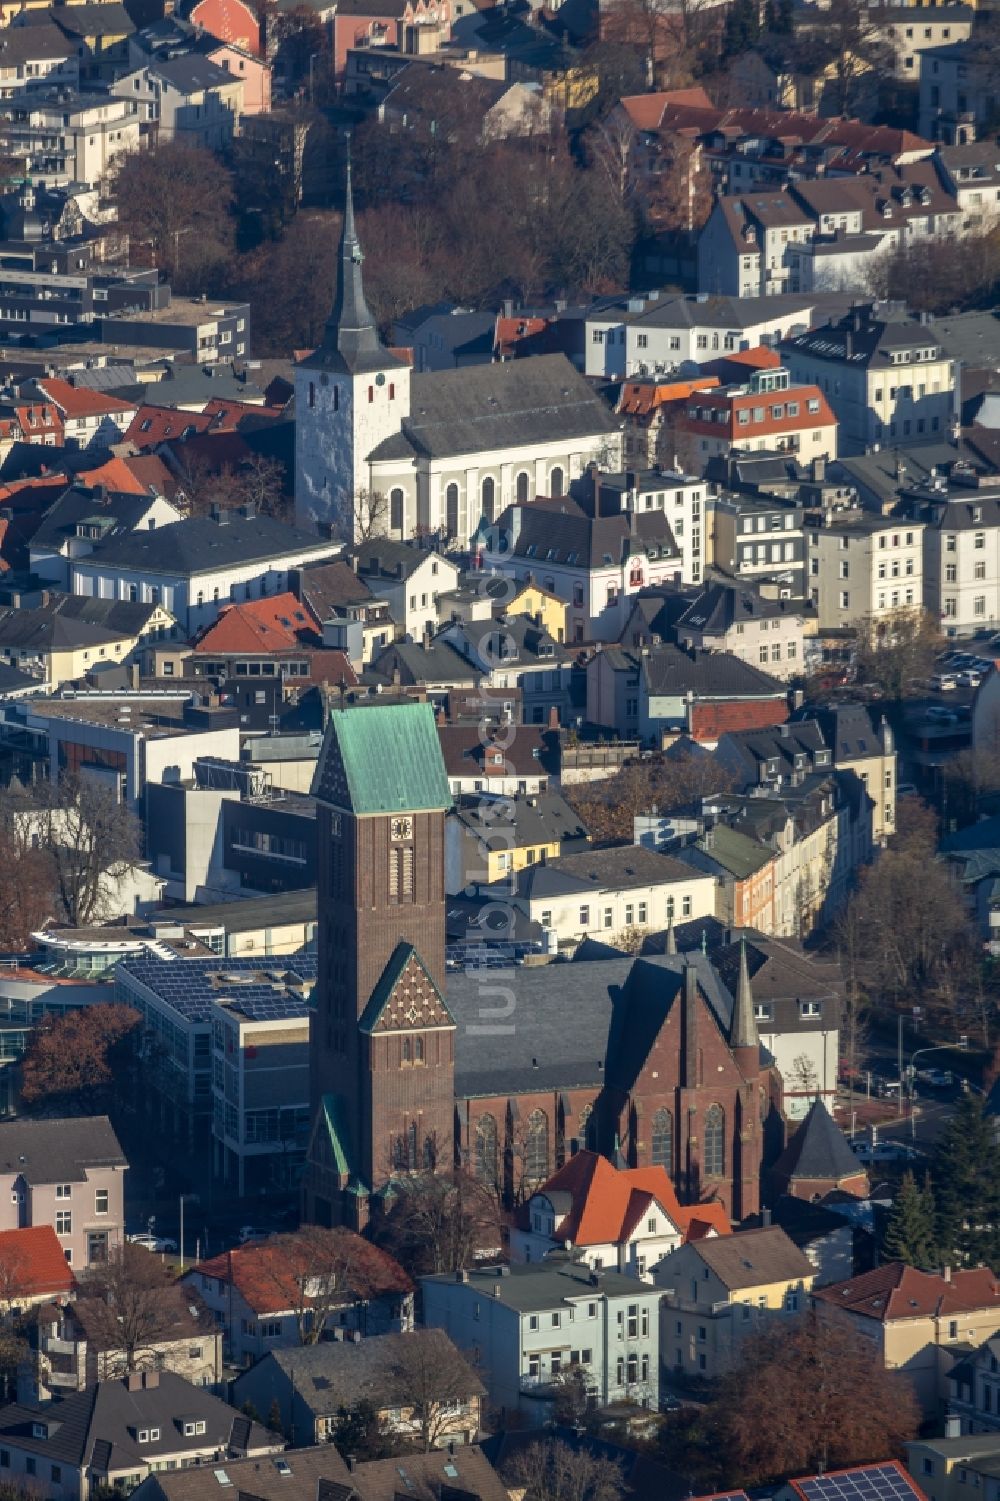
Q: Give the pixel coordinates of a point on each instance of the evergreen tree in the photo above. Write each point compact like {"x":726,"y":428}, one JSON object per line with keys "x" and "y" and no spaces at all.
{"x":966,"y":1184}
{"x":742,"y":27}
{"x":909,"y":1234}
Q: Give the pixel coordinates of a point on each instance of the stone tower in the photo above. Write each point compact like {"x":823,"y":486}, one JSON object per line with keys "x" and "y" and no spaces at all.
{"x":382,"y":1039}
{"x":350,"y":394}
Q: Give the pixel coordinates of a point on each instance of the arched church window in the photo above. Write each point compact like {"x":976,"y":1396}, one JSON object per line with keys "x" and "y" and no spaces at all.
{"x":418,"y":1050}
{"x":556,"y":481}
{"x":489,"y":497}
{"x":396,"y":509}
{"x":522,"y":485}
{"x":451,"y":510}
{"x":714,"y":1156}
{"x":406,"y":1050}
{"x":536,"y":1147}
{"x":662,"y":1145}
{"x":487,"y":1162}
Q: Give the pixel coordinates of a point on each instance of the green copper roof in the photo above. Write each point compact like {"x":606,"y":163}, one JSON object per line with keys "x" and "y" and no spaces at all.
{"x":383,"y":758}
{"x":335,"y":1133}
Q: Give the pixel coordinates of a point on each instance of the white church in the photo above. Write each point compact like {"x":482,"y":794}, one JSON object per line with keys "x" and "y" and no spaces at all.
{"x":445,"y":449}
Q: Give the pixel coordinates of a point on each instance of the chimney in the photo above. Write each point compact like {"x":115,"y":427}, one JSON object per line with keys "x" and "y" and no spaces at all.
{"x":352,"y":1463}
{"x":133,"y":675}
{"x":946,"y":1273}
{"x":151,"y":1380}
{"x":133,"y":1381}
{"x":765,"y":1218}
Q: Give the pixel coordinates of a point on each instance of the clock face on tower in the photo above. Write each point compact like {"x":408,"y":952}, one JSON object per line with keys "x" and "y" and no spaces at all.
{"x":401,"y":828}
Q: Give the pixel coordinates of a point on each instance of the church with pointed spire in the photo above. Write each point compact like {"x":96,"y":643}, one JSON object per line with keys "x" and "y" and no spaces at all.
{"x":445,"y":450}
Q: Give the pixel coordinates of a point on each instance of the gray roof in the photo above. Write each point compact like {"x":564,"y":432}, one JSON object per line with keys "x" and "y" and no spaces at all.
{"x":540,"y":1285}
{"x":336,"y":1374}
{"x":670,"y":672}
{"x":106,"y":1416}
{"x":719,"y":606}
{"x":119,"y":514}
{"x":190,"y":73}
{"x":513,"y":405}
{"x":109,"y":19}
{"x":45,"y":630}
{"x":752,"y":1258}
{"x":560,"y":531}
{"x":541,"y":819}
{"x":41,"y":43}
{"x":701,"y":311}
{"x":381,"y":557}
{"x":271,"y":911}
{"x":818,"y":1150}
{"x":59,"y":1151}
{"x":203,"y":545}
{"x":619,"y":867}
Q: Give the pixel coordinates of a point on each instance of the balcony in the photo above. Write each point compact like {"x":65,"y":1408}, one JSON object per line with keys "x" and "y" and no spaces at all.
{"x":53,"y":1345}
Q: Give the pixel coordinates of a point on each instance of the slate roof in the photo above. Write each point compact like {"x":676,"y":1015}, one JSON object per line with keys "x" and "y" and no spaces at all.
{"x":329,"y":587}
{"x":385,"y":558}
{"x":121,"y":513}
{"x":753,"y":1258}
{"x":302,"y":1475}
{"x":543,"y":818}
{"x":42,"y":43}
{"x":109,"y":19}
{"x":58,"y":1151}
{"x":721,"y":606}
{"x":535,"y":1286}
{"x":618,"y":867}
{"x":818,"y":1149}
{"x":439,"y":662}
{"x":531,"y":751}
{"x":43,"y":630}
{"x":190,"y":73}
{"x":203,"y":545}
{"x":669,"y":672}
{"x":108,"y":1414}
{"x":560,"y":531}
{"x":512,"y":405}
{"x":336,"y":1374}
{"x":382,"y":759}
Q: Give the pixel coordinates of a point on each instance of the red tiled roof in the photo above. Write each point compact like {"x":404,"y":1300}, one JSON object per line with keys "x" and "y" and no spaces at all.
{"x":81,"y":401}
{"x":230,"y":414}
{"x":34,"y":1262}
{"x":267,"y":1275}
{"x":510,"y":331}
{"x":760,"y":358}
{"x":729,"y":403}
{"x":898,"y":1291}
{"x":902,"y":1481}
{"x":278,"y":623}
{"x":638,"y":397}
{"x":39,"y":419}
{"x":117,"y":474}
{"x":153,"y":425}
{"x":609,"y":1202}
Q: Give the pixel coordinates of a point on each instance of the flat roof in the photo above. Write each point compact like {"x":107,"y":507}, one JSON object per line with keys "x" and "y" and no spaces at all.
{"x":243,"y":916}
{"x":189,"y":310}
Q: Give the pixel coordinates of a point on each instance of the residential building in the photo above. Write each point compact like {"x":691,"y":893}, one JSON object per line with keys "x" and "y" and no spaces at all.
{"x":703,"y":694}
{"x":193,"y":567}
{"x":90,"y":419}
{"x":66,"y":138}
{"x":861,"y":740}
{"x":972,"y":1392}
{"x":489,"y":837}
{"x":206,"y":330}
{"x":115,"y":1434}
{"x":449,"y":449}
{"x":945,"y":1469}
{"x":972,"y":859}
{"x":863,"y":567}
{"x":911,"y":36}
{"x":768,"y":412}
{"x":622,"y":1219}
{"x":57,"y":649}
{"x":421,"y":1387}
{"x":611,"y":893}
{"x":961,"y":549}
{"x":718,"y":1291}
{"x":81,"y":518}
{"x":918,"y":1323}
{"x":36,"y":57}
{"x":302,"y":1474}
{"x":956,"y":102}
{"x":529,"y":1323}
{"x":257,"y":1297}
{"x":743,"y":871}
{"x":682,"y":498}
{"x":409,"y":578}
{"x":760,"y":539}
{"x":498,"y":763}
{"x":594,"y":563}
{"x":35,"y":1268}
{"x":886,"y":380}
{"x":769,"y":633}
{"x":670,"y":331}
{"x":185,"y":98}
{"x":67,"y":1174}
{"x":513,"y":652}
{"x":73,"y":1345}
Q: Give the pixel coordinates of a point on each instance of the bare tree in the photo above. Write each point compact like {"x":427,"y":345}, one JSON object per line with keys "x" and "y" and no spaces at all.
{"x":132,"y":1304}
{"x":551,"y":1470}
{"x":93,"y":839}
{"x":432,"y":1379}
{"x":611,"y":144}
{"x":318,"y":1271}
{"x":371,"y":514}
{"x":896,"y":653}
{"x":439,"y":1221}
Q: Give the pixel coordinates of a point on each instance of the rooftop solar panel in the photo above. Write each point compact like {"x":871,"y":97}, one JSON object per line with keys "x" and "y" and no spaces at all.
{"x":884,"y":1482}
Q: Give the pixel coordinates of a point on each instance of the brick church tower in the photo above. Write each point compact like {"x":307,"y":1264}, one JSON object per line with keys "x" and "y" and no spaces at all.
{"x":382,"y":1040}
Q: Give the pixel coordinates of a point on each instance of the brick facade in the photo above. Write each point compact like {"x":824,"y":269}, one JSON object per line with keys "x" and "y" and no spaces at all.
{"x":709,"y":720}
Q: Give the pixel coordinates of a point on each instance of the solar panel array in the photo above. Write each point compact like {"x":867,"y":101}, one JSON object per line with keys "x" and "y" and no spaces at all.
{"x":189,"y":986}
{"x":885,"y":1482}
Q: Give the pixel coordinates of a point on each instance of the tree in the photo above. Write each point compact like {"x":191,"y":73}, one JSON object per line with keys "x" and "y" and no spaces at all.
{"x":371,"y":514}
{"x":316,"y":1271}
{"x":439,"y":1221}
{"x":550,"y":1470}
{"x":896,"y":654}
{"x":430,"y":1377}
{"x":92,"y":838}
{"x":909,"y":1233}
{"x":175,"y":198}
{"x":574,"y":1396}
{"x":742,"y":28}
{"x":916,"y":827}
{"x":657,"y":782}
{"x":132,"y":1304}
{"x":360,"y":1432}
{"x":76,"y":1057}
{"x":965,"y":1173}
{"x":27,"y":898}
{"x":805,"y":1395}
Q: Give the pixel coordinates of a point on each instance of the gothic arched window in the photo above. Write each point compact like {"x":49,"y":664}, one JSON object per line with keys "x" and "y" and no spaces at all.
{"x":489,"y":496}
{"x":487,"y":1161}
{"x":714,"y":1157}
{"x":451,"y":510}
{"x":556,"y":481}
{"x":536,"y":1147}
{"x":662,"y":1148}
{"x":522,"y":485}
{"x":396,"y":509}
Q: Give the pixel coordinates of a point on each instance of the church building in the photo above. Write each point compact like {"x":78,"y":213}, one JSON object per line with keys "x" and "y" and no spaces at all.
{"x":651,"y":1061}
{"x":443,"y":449}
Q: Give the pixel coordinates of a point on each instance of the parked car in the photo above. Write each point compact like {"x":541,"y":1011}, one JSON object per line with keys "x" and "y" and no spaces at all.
{"x":158,"y":1243}
{"x":936,"y":1078}
{"x":944,"y":681}
{"x":884,"y":1151}
{"x":942,"y":715}
{"x":971,"y":677}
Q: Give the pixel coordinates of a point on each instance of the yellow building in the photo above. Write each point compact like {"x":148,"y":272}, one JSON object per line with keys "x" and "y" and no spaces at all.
{"x":62,"y":643}
{"x":489,"y":839}
{"x":545,"y":608}
{"x":718,"y":1291}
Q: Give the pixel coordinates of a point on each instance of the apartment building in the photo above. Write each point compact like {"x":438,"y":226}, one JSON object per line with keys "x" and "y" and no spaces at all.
{"x":768,"y":412}
{"x":961,"y":549}
{"x":886,"y":379}
{"x":69,"y":1174}
{"x":760,"y":539}
{"x":663,"y":332}
{"x":65,"y":137}
{"x":863,"y":566}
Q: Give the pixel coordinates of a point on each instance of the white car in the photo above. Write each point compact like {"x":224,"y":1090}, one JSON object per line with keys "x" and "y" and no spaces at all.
{"x":157,"y":1243}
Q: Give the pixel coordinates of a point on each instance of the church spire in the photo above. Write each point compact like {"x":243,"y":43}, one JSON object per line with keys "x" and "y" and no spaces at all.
{"x":743,"y":1032}
{"x":351,"y":340}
